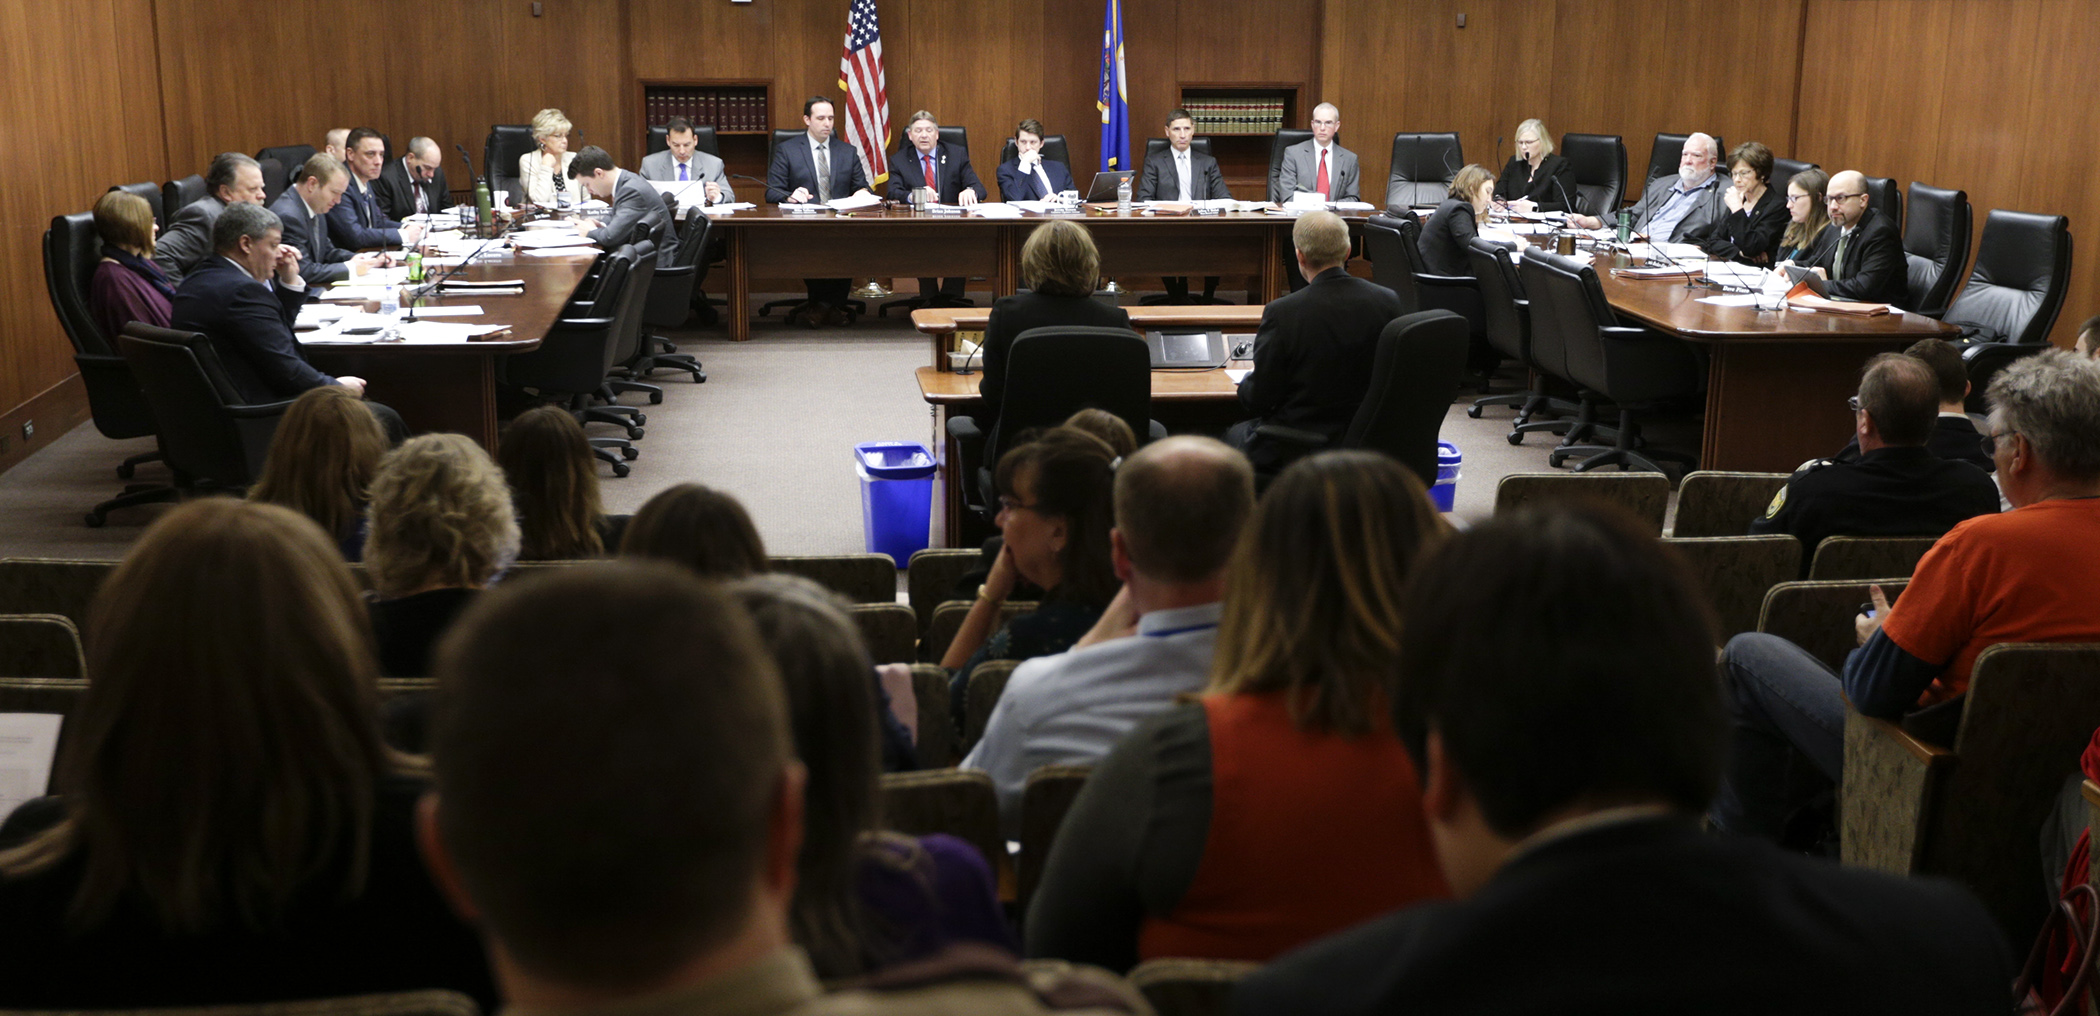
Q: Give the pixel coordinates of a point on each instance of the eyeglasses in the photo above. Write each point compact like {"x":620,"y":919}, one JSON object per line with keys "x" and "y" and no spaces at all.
{"x":1852,"y":403}
{"x":1791,"y":198}
{"x":1990,"y":441}
{"x":1835,"y":198}
{"x":1008,"y":503}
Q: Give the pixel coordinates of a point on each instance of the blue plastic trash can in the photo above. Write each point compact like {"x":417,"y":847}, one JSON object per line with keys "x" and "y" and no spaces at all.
{"x":896,"y":496}
{"x":1446,"y":486}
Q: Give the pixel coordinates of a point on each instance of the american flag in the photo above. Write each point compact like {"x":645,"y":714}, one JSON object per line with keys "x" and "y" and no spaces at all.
{"x":867,"y":93}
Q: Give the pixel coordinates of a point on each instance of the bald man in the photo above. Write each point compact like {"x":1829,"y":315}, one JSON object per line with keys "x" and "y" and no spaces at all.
{"x":1694,"y":200}
{"x":1861,"y":251}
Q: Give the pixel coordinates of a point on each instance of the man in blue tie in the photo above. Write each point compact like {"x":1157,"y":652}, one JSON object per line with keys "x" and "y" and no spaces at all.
{"x":357,"y":221}
{"x":683,"y":162}
{"x":925,"y":161}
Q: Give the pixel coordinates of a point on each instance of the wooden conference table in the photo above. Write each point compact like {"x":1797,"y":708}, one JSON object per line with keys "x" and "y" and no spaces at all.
{"x":765,"y":242}
{"x":451,"y":386}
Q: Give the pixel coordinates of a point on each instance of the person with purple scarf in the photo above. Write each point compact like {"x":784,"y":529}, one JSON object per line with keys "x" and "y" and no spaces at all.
{"x":127,"y":285}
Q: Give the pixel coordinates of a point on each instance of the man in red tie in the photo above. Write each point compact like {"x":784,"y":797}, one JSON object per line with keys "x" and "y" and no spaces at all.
{"x":1318,"y":166}
{"x":926,"y":161}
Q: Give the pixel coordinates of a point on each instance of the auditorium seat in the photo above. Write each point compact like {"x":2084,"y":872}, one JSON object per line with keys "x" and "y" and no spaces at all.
{"x":152,"y":194}
{"x":931,"y":576}
{"x":40,"y":585}
{"x":985,"y":683}
{"x":1284,"y":139}
{"x":176,"y":195}
{"x":1415,"y":374}
{"x":2014,"y":293}
{"x":1817,"y":616}
{"x":1045,"y":798}
{"x":1935,"y":246}
{"x":1599,"y":161}
{"x":1716,"y":503}
{"x":1868,"y":557}
{"x":1646,"y":496}
{"x":947,"y":619}
{"x":1422,"y":168}
{"x":1883,"y":197}
{"x":1737,"y":571}
{"x":860,"y":578}
{"x":212,"y":438}
{"x":1633,"y":367}
{"x":889,"y":630}
{"x":1668,"y":151}
{"x":40,"y":645}
{"x":959,"y":802}
{"x":936,"y":738}
{"x":1189,"y":987}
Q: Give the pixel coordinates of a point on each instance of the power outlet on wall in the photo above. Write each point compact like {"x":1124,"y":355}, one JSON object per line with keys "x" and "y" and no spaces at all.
{"x":28,"y":429}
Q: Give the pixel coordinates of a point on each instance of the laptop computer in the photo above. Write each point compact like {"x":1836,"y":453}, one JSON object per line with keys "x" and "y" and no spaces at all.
{"x":1104,"y":189}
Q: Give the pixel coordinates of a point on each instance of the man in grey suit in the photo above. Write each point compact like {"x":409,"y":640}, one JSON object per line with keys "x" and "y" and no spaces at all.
{"x":1672,"y":209}
{"x":232,"y":178}
{"x":638,"y":211}
{"x":1183,"y":174}
{"x":684,"y":161}
{"x":1300,"y":169}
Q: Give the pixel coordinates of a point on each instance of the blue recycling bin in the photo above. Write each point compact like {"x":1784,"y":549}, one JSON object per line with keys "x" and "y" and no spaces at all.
{"x":1445,"y":489}
{"x":896,"y":496}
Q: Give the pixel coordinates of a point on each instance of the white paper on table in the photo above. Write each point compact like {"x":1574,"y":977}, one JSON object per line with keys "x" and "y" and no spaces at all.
{"x":467,"y":310}
{"x":677,"y":186}
{"x":1671,"y":251}
{"x":1037,"y":207}
{"x":28,"y":741}
{"x":1306,"y":200}
{"x":534,"y":241}
{"x":1731,"y":300}
{"x":995,"y":210}
{"x":320,"y":314}
{"x":1498,"y":234}
{"x":727,"y":207}
{"x":375,"y":278}
{"x":804,"y":207}
{"x":1238,"y":375}
{"x":1351,"y":206}
{"x":857,"y":199}
{"x":442,"y":331}
{"x":570,"y":250}
{"x":593,"y":205}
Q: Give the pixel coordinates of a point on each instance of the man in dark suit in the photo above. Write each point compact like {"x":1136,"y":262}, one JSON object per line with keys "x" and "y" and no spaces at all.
{"x":357,"y":220}
{"x":1183,"y":175}
{"x":1028,"y":176}
{"x":926,"y":161}
{"x":817,"y":167}
{"x":233,"y":178}
{"x":1861,"y":251}
{"x":1557,"y":692}
{"x":638,"y":211}
{"x":414,"y":184}
{"x":304,"y":208}
{"x":1313,"y":352}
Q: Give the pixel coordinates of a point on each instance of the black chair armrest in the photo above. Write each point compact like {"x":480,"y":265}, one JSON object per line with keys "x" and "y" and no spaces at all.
{"x":1450,"y":281}
{"x":579,"y":324}
{"x":259,"y":410}
{"x":678,"y":272}
{"x":1292,"y":434}
{"x":965,"y":429}
{"x":1628,"y":332}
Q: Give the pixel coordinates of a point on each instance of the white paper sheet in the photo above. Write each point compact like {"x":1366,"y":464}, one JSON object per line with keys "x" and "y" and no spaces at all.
{"x":1237,"y":375}
{"x":541,"y":241}
{"x":995,"y":210}
{"x":727,"y":207}
{"x":1731,"y":300}
{"x":857,"y":199}
{"x":28,"y":741}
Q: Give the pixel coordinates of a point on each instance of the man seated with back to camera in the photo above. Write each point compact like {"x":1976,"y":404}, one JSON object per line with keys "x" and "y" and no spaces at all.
{"x":1954,"y":434}
{"x":1555,"y":685}
{"x":1896,"y":486}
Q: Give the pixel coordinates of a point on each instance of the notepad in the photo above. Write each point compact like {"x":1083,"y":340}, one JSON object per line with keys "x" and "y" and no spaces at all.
{"x":28,"y":741}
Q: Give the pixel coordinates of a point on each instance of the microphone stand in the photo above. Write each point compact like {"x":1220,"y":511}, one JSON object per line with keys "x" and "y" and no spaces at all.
{"x":431,"y":286}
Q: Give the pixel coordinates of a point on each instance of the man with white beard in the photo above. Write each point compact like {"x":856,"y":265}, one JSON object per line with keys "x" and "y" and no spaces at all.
{"x":1693,"y":200}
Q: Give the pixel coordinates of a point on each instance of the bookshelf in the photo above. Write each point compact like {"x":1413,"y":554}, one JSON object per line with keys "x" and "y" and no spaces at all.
{"x":739,"y":111}
{"x":1240,"y":118}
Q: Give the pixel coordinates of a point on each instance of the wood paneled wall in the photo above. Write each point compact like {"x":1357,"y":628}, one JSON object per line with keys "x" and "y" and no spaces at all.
{"x":1978,"y":96}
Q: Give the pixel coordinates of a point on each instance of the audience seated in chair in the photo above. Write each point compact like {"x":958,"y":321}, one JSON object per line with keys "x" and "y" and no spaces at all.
{"x":1055,"y":520}
{"x":1897,"y":486}
{"x":864,"y":899}
{"x":2028,"y":575}
{"x":701,"y":528}
{"x":1556,"y":688}
{"x":228,"y":826}
{"x":662,"y":873}
{"x":1279,"y":807}
{"x":553,"y":477}
{"x":321,"y":464}
{"x":1954,"y":433}
{"x":442,"y":529}
{"x":127,"y":285}
{"x":1179,"y":507}
{"x":1101,"y":423}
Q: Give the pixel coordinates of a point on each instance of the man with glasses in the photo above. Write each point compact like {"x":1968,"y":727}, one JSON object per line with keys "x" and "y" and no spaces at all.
{"x":1896,"y":486}
{"x":1861,"y":251}
{"x":1318,"y":164}
{"x":1694,"y":202}
{"x":2028,"y":575}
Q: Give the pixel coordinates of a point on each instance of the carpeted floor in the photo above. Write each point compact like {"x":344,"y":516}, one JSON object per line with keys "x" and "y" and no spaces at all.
{"x":775,"y":425}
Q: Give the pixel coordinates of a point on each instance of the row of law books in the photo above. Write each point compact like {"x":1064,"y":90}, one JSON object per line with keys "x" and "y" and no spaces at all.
{"x":724,"y":109}
{"x":1236,"y":116}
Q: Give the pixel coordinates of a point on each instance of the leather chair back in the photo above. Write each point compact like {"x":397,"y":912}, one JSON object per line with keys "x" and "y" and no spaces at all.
{"x":2017,"y":288}
{"x":577,"y":352}
{"x":71,"y":249}
{"x":1935,"y":245}
{"x":1422,"y":168}
{"x":1389,"y":244}
{"x":780,"y":136}
{"x":1599,"y":161}
{"x":671,"y":290}
{"x":1054,"y":149}
{"x":1285,"y":138}
{"x":658,"y":140}
{"x":1505,"y":312}
{"x":1669,"y":150}
{"x":1414,"y":378}
{"x":957,"y":136}
{"x":151,"y":192}
{"x":500,"y":152}
{"x":275,"y":179}
{"x":655,"y":140}
{"x":627,"y":342}
{"x":1053,"y":372}
{"x":291,"y":156}
{"x":177,"y":195}
{"x":1622,"y":364}
{"x":1784,"y":170}
{"x":1537,"y":272}
{"x":1883,"y":197}
{"x":205,"y":430}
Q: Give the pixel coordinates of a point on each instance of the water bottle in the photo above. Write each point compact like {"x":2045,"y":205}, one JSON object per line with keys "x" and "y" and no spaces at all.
{"x":389,"y":300}
{"x":484,"y":212}
{"x":1123,"y":195}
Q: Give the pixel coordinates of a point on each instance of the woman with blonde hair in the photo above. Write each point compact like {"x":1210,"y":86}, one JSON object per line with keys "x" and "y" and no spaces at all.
{"x":1279,"y":807}
{"x":544,"y":171}
{"x":127,"y":285}
{"x":327,"y":447}
{"x":1061,"y":266}
{"x":554,"y":487}
{"x":1536,"y":178}
{"x":442,"y":527}
{"x":228,"y":826}
{"x":699,"y":527}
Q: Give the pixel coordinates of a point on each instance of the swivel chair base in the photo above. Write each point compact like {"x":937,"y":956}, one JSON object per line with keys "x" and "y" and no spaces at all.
{"x":912,"y":303}
{"x":134,"y":495}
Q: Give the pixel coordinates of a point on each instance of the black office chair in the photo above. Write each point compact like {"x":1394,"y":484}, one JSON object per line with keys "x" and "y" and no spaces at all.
{"x":1423,"y":165}
{"x":670,"y":301}
{"x":571,"y":363}
{"x":1633,"y":367}
{"x":1508,"y":314}
{"x":630,"y":345}
{"x":1599,"y":161}
{"x":1669,"y":150}
{"x":1884,"y":197}
{"x":1459,"y":294}
{"x":1387,"y":238}
{"x":119,"y":408}
{"x":1052,"y":373}
{"x":960,"y":138}
{"x":1054,"y":150}
{"x":1414,"y":376}
{"x":1784,"y":170}
{"x":779,"y":136}
{"x":1283,"y":140}
{"x":175,"y":195}
{"x":500,"y":152}
{"x":1936,"y":245}
{"x":151,"y":192}
{"x":658,"y":140}
{"x":212,"y":438}
{"x":2015,"y":291}
{"x":291,"y":156}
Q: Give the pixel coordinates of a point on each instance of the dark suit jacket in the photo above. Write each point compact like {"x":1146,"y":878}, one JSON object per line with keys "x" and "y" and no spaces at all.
{"x":1444,"y":237}
{"x":1653,"y":916}
{"x":795,"y":166}
{"x":250,"y":326}
{"x":360,"y":223}
{"x":638,"y":213}
{"x":397,"y":193}
{"x":1750,"y":235}
{"x":1875,"y":270}
{"x":1012,"y":315}
{"x":1953,"y":438}
{"x":1015,"y":185}
{"x":1552,"y":188}
{"x":1158,"y":182}
{"x":187,"y":240}
{"x":951,"y":170}
{"x":1312,"y":359}
{"x":320,"y":260}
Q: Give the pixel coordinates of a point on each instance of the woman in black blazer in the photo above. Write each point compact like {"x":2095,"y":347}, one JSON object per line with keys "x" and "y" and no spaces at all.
{"x":1060,"y":263}
{"x":1757,"y":214}
{"x":1456,"y":222}
{"x":1536,"y":179}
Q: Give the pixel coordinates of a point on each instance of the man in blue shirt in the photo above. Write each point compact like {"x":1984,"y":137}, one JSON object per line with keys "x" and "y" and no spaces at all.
{"x":1694,"y":199}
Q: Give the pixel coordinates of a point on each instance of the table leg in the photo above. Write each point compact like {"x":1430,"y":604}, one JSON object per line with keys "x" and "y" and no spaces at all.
{"x":736,"y":252}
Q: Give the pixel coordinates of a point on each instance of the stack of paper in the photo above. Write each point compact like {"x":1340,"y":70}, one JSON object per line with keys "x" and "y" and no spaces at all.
{"x":550,"y":238}
{"x":727,"y":207}
{"x":857,"y":199}
{"x":27,"y":743}
{"x":995,"y":210}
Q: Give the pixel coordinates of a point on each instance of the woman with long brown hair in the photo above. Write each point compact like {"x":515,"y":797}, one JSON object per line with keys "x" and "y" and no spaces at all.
{"x":320,"y":463}
{"x":699,"y":527}
{"x":554,"y":486}
{"x":229,"y":827}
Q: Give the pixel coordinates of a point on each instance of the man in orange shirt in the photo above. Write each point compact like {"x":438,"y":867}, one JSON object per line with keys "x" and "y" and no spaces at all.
{"x":2028,"y":575}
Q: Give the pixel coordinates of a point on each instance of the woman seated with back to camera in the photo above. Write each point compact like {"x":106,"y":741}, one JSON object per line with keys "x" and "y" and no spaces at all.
{"x":553,"y":481}
{"x":441,"y":530}
{"x":127,"y":286}
{"x":1279,"y":807}
{"x":1060,"y":265}
{"x":1536,"y":179}
{"x":1454,"y":224}
{"x":699,"y":527}
{"x":1757,"y":216}
{"x":228,"y":827}
{"x":321,"y":463}
{"x":1806,"y":217}
{"x":543,"y":173}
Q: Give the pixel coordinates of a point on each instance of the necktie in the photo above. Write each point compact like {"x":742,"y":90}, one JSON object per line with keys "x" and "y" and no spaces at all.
{"x":1837,"y":263}
{"x":422,"y":196}
{"x":1320,"y":183}
{"x":1181,"y":168}
{"x":681,"y":171}
{"x":824,"y":173}
{"x":926,"y":174}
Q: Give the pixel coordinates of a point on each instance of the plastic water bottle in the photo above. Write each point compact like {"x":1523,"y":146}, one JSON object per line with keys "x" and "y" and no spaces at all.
{"x":1123,"y":195}
{"x":390,"y":300}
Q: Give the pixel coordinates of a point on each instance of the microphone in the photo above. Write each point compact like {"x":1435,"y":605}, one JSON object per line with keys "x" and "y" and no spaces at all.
{"x":1498,"y":148}
{"x":967,"y":360}
{"x":1569,"y":205}
{"x":467,"y":158}
{"x":431,"y":286}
